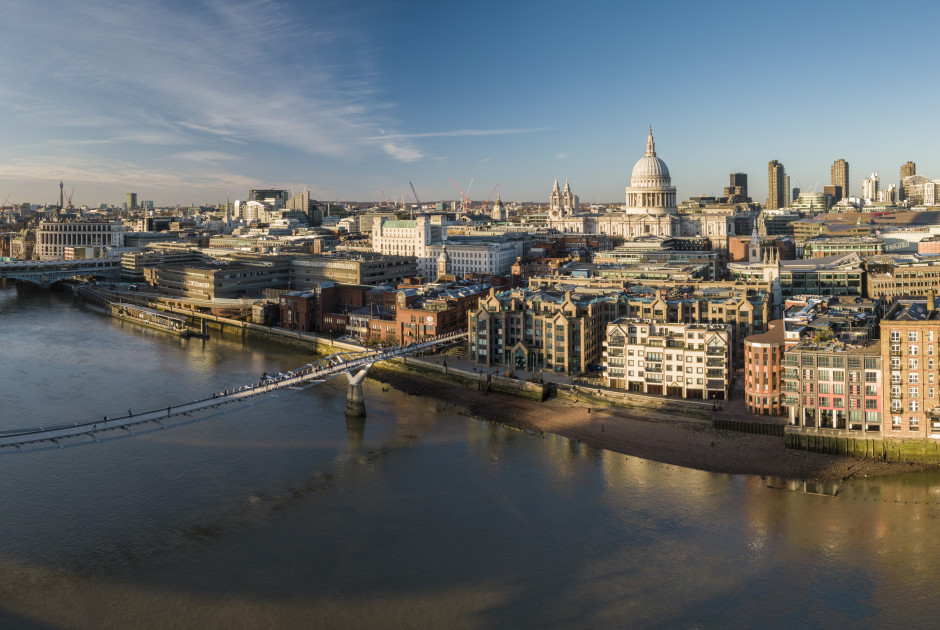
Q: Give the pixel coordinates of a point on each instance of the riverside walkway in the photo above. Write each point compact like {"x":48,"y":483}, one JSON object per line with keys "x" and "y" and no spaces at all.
{"x":91,"y":431}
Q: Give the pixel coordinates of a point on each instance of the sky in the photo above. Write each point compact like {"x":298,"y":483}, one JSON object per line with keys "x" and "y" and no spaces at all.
{"x":193,"y":102}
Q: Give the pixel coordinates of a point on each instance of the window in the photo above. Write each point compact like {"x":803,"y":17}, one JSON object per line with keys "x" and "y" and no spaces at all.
{"x":895,"y":363}
{"x":915,"y":405}
{"x":871,"y":377}
{"x":896,"y":422}
{"x":912,"y":350}
{"x":912,"y":364}
{"x":912,"y":377}
{"x":823,"y":374}
{"x":913,"y":392}
{"x":838,"y":375}
{"x":915,"y":423}
{"x":912,"y":335}
{"x":895,"y":335}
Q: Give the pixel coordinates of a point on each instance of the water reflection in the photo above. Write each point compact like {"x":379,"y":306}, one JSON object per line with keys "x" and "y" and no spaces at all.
{"x":287,"y":511}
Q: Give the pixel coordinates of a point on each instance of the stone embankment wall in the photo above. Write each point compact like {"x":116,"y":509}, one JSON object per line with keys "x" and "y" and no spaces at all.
{"x":485,"y":383}
{"x":886,"y":449}
{"x":685,"y":407}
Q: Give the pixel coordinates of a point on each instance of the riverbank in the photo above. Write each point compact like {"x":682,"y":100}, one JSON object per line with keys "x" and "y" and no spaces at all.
{"x":686,"y":442}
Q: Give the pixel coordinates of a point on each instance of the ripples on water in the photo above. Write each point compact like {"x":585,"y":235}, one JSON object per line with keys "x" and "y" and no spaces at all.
{"x":284,"y":515}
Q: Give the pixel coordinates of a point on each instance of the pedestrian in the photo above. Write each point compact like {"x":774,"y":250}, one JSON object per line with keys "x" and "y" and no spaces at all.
{"x":129,"y":412}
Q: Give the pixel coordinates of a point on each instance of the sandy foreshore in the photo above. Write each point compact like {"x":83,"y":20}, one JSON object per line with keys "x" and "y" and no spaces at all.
{"x":677,"y":440}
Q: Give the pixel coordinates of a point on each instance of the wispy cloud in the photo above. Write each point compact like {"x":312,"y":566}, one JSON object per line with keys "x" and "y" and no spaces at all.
{"x":484,"y":160}
{"x":460,"y":132}
{"x":176,"y":74}
{"x":402,"y":153}
{"x":207,"y":157}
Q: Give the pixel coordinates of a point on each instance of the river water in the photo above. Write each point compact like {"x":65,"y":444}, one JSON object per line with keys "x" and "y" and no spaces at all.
{"x":283,"y":515}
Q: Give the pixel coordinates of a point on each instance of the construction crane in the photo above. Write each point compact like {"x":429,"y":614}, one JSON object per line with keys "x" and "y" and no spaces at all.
{"x":415,"y":193}
{"x":69,"y":198}
{"x":466,"y":199}
{"x":487,"y":202}
{"x":387,"y":202}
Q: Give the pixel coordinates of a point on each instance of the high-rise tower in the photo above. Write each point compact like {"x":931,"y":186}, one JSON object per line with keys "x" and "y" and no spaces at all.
{"x":907,"y":169}
{"x":776,"y":186}
{"x":840,"y":176}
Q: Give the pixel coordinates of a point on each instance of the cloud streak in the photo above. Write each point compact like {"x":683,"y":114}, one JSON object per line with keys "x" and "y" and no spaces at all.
{"x":461,"y":133}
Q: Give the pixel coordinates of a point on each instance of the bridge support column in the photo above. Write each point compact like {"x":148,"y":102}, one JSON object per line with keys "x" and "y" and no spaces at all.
{"x":355,"y":405}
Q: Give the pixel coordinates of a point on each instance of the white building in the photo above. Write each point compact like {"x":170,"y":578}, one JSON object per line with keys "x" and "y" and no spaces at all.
{"x":870,"y":187}
{"x":52,"y":237}
{"x":687,"y":360}
{"x":425,"y":240}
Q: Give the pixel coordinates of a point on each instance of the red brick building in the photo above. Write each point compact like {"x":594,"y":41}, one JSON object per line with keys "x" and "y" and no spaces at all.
{"x":763,"y":370}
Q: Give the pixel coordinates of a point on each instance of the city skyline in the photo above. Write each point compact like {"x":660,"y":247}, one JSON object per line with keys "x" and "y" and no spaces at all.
{"x":192,"y":103}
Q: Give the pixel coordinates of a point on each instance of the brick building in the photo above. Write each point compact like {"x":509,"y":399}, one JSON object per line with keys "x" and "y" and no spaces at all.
{"x":910,"y":333}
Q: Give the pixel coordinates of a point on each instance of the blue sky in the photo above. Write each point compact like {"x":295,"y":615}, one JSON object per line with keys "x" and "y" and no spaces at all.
{"x":187,"y":102}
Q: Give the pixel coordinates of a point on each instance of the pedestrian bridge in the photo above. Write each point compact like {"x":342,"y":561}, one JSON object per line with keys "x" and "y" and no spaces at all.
{"x":354,"y":364}
{"x":47,"y":272}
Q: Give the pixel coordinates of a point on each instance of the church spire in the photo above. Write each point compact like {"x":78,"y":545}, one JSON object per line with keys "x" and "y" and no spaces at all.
{"x":556,"y":183}
{"x":650,"y":145}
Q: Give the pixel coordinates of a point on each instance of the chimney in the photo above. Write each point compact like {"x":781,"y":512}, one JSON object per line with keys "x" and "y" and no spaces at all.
{"x":931,"y":301}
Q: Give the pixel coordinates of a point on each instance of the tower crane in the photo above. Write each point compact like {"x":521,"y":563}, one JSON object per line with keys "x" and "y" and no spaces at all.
{"x":387,"y":202}
{"x":487,"y":202}
{"x":466,"y":199}
{"x":415,"y":193}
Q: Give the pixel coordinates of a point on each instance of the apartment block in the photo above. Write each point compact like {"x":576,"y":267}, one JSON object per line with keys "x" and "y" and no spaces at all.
{"x":684,"y":360}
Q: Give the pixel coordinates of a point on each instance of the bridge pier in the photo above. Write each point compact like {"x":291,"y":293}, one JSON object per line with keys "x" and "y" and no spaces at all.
{"x":355,"y":404}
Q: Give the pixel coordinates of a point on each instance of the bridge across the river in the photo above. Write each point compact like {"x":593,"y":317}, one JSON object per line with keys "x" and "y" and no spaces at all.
{"x":47,"y":272}
{"x":90,"y":431}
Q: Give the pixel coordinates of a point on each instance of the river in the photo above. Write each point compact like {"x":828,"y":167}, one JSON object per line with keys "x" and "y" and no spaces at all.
{"x":282,"y":515}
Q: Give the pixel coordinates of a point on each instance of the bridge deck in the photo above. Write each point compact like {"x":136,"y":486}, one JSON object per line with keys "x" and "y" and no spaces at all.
{"x":311,"y":374}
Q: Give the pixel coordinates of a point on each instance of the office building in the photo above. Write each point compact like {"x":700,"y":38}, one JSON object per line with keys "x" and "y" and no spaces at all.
{"x":131,"y":201}
{"x":53,"y":237}
{"x":736,"y":192}
{"x":776,"y":186}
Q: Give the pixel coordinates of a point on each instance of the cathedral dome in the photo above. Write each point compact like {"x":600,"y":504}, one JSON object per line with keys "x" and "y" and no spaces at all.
{"x":650,"y":166}
{"x":649,"y":169}
{"x":650,"y":191}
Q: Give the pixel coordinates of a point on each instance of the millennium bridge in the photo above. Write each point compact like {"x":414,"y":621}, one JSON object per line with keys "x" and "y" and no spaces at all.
{"x":355,"y":365}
